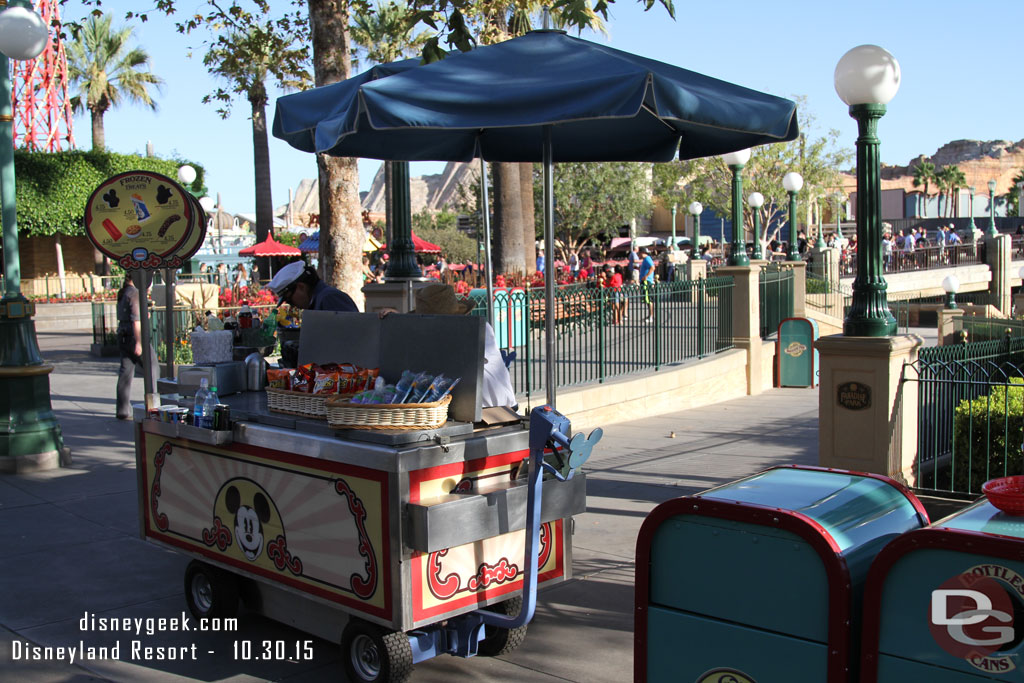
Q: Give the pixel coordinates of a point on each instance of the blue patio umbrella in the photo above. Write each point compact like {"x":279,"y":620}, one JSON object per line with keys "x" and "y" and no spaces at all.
{"x":311,"y":244}
{"x":545,"y":96}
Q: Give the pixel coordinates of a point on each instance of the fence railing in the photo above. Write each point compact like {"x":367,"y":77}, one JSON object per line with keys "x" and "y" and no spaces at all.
{"x":776,"y":299}
{"x":601,"y":333}
{"x":829,"y":297}
{"x":970,"y":413}
{"x":985,"y":329}
{"x":925,"y":258}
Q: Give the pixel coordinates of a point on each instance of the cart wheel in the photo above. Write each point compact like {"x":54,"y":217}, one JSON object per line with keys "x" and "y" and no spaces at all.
{"x":372,"y":654}
{"x":500,"y":641}
{"x":210,"y":592}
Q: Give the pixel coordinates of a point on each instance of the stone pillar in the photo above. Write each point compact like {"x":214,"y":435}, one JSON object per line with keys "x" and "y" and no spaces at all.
{"x":867,"y":418}
{"x":746,"y":318}
{"x":695,"y":268}
{"x":826,"y":263}
{"x":948,"y":318}
{"x":799,"y":288}
{"x":997,"y":255}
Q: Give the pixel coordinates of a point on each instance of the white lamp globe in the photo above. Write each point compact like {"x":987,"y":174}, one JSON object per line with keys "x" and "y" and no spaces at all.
{"x":867,"y":74}
{"x":755,"y":200}
{"x":186,"y":174}
{"x":950,"y":284}
{"x":992,"y":186}
{"x":696,"y":208}
{"x":207,"y":204}
{"x":792,"y":181}
{"x":737,"y":158}
{"x":23,"y":33}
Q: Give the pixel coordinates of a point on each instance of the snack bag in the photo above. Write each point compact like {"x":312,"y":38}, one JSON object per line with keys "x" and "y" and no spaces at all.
{"x":387,"y":394}
{"x":438,"y":387}
{"x":371,"y":375}
{"x":279,"y":378}
{"x":420,"y":385}
{"x":348,"y":379}
{"x":325,"y":382}
{"x":405,"y":385}
{"x":303,"y":378}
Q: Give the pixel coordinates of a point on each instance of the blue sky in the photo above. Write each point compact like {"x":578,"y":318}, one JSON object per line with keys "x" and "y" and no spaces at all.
{"x":960,"y":79}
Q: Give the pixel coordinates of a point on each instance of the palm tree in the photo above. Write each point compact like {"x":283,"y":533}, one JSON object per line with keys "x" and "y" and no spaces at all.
{"x":107,"y":72}
{"x":924,"y":173}
{"x":957,"y":180}
{"x":942,"y":188}
{"x":246,"y":60}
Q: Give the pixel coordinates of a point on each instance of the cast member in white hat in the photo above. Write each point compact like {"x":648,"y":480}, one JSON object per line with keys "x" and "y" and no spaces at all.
{"x":298,"y":285}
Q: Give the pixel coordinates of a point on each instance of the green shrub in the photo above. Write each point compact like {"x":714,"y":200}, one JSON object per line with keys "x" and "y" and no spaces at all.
{"x":987,"y":437}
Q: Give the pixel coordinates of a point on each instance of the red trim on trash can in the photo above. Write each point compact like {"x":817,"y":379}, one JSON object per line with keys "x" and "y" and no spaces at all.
{"x":942,"y":538}
{"x":797,"y":523}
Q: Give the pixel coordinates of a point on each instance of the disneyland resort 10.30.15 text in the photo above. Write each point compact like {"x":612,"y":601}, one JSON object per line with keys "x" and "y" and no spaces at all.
{"x":138,"y":649}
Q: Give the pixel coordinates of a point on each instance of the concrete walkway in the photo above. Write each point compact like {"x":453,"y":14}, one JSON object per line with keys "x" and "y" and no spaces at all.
{"x":69,"y":543}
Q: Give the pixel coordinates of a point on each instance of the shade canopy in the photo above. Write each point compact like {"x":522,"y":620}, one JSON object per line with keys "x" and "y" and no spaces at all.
{"x":421,"y":246}
{"x":269,"y":247}
{"x":494,"y":102}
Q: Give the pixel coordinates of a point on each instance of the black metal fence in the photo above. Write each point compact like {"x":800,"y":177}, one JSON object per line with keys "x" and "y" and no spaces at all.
{"x":602,"y":333}
{"x":970,"y":413}
{"x":776,"y":299}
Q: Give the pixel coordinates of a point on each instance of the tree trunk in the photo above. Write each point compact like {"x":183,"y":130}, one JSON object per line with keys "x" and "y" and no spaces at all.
{"x":508,"y":219}
{"x":99,"y":140}
{"x":341,"y":225}
{"x":529,"y":219}
{"x":261,"y":164}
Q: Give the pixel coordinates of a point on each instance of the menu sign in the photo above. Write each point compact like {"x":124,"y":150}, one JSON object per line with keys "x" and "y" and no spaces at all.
{"x":144,"y":220}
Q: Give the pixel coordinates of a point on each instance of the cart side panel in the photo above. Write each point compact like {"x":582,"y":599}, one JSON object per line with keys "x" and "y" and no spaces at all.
{"x":318,"y":526}
{"x":455,"y":580}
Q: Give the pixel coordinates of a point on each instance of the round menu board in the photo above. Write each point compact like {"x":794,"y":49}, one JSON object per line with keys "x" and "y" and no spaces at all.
{"x":144,"y":220}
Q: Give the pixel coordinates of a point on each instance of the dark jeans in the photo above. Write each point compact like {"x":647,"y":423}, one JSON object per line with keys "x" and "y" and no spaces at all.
{"x":129,"y":362}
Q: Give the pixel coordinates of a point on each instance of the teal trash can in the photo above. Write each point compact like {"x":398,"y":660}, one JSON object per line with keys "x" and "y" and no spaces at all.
{"x":760,"y":579}
{"x":510,"y":319}
{"x":946,"y":604}
{"x":796,"y":359}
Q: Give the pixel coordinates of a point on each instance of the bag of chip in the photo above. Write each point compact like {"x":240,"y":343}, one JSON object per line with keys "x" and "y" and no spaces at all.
{"x":348,"y":379}
{"x":325,"y":382}
{"x":279,"y":378}
{"x":303,"y":378}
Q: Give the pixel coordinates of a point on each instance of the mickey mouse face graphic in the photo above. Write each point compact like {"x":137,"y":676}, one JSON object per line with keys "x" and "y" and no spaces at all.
{"x":163,"y":193}
{"x":249,"y":520}
{"x":110,"y":197}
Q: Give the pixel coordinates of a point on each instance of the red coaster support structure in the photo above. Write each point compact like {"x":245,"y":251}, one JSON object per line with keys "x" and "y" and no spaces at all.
{"x":40,"y":98}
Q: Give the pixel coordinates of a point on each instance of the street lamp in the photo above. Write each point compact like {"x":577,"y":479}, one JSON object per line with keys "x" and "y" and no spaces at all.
{"x":792,"y":182}
{"x":674,"y":207}
{"x":736,"y":161}
{"x":867,"y":78}
{"x":838,"y":196}
{"x":756,"y":201}
{"x":971,"y":227}
{"x":186,"y":174}
{"x":992,"y":232}
{"x":696,"y":209}
{"x":950,"y":284}
{"x":30,"y":437}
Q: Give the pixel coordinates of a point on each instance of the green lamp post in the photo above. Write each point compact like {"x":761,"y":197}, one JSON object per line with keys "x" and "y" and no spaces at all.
{"x":971,"y":226}
{"x":696,"y":209}
{"x":819,"y":242}
{"x":674,"y":207}
{"x":30,"y":437}
{"x":401,"y":252}
{"x":736,"y":161}
{"x":791,"y":183}
{"x":756,"y":201}
{"x":992,"y":232}
{"x":950,"y":285}
{"x":867,"y":78}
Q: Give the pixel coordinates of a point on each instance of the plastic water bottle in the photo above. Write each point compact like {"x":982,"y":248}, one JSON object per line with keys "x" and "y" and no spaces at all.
{"x":200,"y":418}
{"x":210,"y":407}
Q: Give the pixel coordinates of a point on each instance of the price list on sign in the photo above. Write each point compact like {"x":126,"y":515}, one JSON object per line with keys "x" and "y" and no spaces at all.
{"x":144,"y":220}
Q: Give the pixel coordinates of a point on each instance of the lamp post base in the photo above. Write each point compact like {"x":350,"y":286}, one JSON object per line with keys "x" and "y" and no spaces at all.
{"x":30,"y":436}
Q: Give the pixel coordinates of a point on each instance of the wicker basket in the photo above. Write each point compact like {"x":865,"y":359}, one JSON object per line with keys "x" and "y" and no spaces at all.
{"x":298,"y":403}
{"x":341,"y":412}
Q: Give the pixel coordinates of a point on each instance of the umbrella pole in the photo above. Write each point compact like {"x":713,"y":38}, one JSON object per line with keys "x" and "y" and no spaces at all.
{"x":169,"y":299}
{"x":549,"y":268}
{"x":485,"y":213}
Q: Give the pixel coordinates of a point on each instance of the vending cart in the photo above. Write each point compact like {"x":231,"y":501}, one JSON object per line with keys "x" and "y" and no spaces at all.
{"x":388,"y":542}
{"x":758,"y":580}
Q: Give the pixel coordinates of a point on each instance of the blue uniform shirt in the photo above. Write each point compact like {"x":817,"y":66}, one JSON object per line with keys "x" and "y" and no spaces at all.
{"x":327,"y":298}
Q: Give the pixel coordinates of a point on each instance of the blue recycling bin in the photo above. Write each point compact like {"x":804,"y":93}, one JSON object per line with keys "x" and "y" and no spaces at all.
{"x":760,"y":579}
{"x":945,"y":604}
{"x":510,"y":314}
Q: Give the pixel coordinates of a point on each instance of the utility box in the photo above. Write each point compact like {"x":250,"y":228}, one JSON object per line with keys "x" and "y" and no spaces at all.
{"x":795,"y":356}
{"x":944,"y":604}
{"x":760,"y":579}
